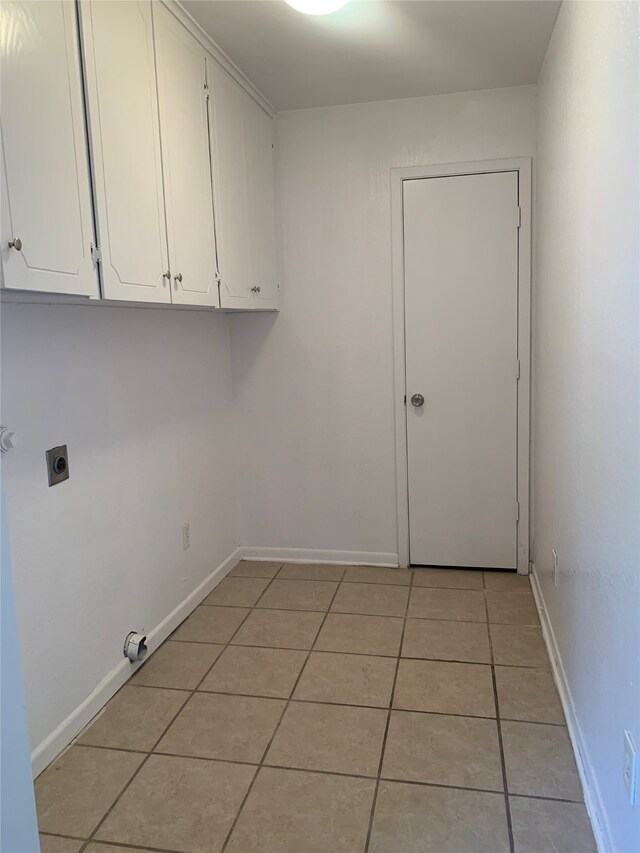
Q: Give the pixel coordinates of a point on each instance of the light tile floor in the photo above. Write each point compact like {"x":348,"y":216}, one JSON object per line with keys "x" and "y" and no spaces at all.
{"x":323,"y":709}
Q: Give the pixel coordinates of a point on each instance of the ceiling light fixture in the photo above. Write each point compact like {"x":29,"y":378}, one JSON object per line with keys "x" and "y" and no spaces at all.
{"x":317,"y":7}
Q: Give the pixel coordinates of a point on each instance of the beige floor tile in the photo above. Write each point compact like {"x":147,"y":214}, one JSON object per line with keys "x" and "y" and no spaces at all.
{"x":236,"y":728}
{"x":367,"y":635}
{"x":329,"y":737}
{"x":237,"y":592}
{"x":57,"y":844}
{"x":518,"y":645}
{"x":178,"y":665}
{"x":528,"y":694}
{"x":541,"y":825}
{"x":311,"y":572}
{"x":445,"y":688}
{"x":378,"y":574}
{"x":279,"y":629}
{"x":448,"y":578}
{"x":443,"y":750}
{"x":256,"y":569}
{"x":462,"y":605}
{"x":347,"y":679}
{"x":371,"y":599}
{"x":507,"y":582}
{"x":76,"y":791}
{"x":289,"y":811}
{"x":298,"y":595}
{"x":179,"y":804}
{"x":440,"y":640}
{"x":540,"y":761}
{"x":255,"y":672}
{"x":512,"y":608}
{"x":211,"y":624}
{"x":417,"y":818}
{"x":135,"y":718}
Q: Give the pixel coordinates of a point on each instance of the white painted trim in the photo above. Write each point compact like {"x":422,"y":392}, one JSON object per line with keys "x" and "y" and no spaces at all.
{"x":522,"y":165}
{"x":311,"y":555}
{"x":591,"y":790}
{"x":78,"y":719}
{"x":219,"y":55}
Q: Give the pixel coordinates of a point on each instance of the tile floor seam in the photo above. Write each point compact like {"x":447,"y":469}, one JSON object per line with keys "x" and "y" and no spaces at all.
{"x":388,"y":721}
{"x":128,"y":846}
{"x":165,"y":730}
{"x":277,"y":727}
{"x":503,"y":764}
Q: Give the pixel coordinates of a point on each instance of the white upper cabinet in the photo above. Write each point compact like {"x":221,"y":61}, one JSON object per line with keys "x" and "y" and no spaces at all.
{"x":46,"y":197}
{"x":242,"y":153}
{"x":125,"y":140}
{"x":260,"y":185}
{"x":184,"y":122}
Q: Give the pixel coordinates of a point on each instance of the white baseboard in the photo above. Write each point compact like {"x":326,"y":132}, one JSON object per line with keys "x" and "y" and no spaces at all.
{"x":592,"y":798}
{"x":311,"y":555}
{"x":78,"y":719}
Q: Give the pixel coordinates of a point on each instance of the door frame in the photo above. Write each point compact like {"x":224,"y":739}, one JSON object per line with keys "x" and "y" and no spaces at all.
{"x":521,"y":165}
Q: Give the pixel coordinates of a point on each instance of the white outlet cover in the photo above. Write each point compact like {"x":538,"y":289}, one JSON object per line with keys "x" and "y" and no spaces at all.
{"x":186,"y":536}
{"x":630,"y":773}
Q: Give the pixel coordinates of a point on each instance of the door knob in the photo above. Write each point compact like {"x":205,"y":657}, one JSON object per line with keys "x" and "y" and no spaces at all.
{"x":16,"y":244}
{"x":417,"y":400}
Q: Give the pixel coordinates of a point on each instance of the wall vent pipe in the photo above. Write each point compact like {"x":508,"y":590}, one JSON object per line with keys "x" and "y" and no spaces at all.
{"x":135,"y":646}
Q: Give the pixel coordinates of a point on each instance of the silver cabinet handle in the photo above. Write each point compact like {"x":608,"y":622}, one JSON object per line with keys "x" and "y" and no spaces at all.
{"x":16,"y":244}
{"x":178,"y":277}
{"x":417,"y":400}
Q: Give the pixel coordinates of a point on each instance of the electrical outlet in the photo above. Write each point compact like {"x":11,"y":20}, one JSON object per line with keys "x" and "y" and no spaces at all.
{"x":554,"y":556}
{"x":186,"y":536}
{"x":630,"y":772}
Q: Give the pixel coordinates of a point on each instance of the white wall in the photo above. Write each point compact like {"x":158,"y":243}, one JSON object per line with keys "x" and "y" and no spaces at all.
{"x":315,"y":385}
{"x":586,"y":356}
{"x":143,"y":400}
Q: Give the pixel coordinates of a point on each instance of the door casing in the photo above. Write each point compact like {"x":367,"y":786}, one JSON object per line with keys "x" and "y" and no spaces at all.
{"x":521,"y":165}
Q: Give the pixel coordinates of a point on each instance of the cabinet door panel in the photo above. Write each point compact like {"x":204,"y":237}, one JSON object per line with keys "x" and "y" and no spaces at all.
{"x":125,"y":138}
{"x":259,"y":165}
{"x":186,"y":161}
{"x":232,"y":206}
{"x":46,"y":196}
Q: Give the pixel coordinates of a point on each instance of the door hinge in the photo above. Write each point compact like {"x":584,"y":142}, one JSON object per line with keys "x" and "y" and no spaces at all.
{"x":206,"y":91}
{"x":517,"y":510}
{"x":405,"y":399}
{"x":518,"y":217}
{"x":96,"y":253}
{"x":517,"y":368}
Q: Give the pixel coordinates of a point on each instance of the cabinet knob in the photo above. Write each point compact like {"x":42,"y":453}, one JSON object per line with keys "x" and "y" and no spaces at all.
{"x":166,"y":274}
{"x":255,"y":289}
{"x":16,"y":244}
{"x":178,"y":277}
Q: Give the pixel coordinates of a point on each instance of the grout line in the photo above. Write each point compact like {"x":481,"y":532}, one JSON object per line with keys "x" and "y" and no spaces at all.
{"x":388,"y":721}
{"x":499,"y":731}
{"x":278,"y":724}
{"x":127,"y":846}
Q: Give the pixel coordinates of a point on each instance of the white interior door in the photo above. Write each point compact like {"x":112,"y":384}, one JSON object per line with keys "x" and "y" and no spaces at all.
{"x":127,"y":164}
{"x":184,"y":127}
{"x":461,"y":316}
{"x":46,"y":196}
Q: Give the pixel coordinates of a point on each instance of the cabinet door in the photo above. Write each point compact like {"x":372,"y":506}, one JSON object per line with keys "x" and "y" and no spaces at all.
{"x":230,"y":181}
{"x":260,"y":183}
{"x":184,"y":127}
{"x":125,"y":140}
{"x":46,"y":196}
